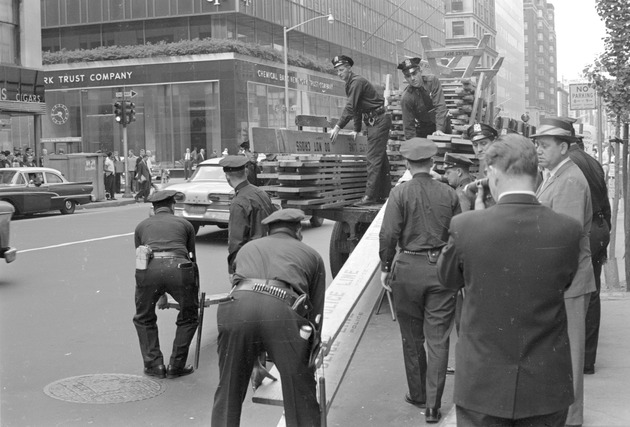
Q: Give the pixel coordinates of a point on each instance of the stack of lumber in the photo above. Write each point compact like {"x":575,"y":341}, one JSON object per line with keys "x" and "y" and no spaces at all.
{"x":318,"y":181}
{"x":396,"y":136}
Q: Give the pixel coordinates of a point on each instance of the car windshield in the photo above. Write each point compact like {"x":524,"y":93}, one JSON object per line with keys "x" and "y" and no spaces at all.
{"x":6,"y":176}
{"x":210,"y":172}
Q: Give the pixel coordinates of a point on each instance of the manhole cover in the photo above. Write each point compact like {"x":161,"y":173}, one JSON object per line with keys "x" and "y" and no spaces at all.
{"x":104,"y":388}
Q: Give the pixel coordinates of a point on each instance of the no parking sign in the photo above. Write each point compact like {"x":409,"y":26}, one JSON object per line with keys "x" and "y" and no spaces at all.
{"x":582,"y":96}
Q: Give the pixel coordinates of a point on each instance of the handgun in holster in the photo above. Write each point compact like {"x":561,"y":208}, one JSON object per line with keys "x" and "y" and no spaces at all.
{"x":433,"y":255}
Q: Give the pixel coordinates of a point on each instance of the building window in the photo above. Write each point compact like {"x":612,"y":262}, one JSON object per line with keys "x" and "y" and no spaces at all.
{"x":457,"y":6}
{"x":541,"y":95}
{"x":458,"y":28}
{"x":9,"y":33}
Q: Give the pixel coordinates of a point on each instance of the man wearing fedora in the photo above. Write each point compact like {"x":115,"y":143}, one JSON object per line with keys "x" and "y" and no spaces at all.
{"x":423,"y":106}
{"x":414,"y":229}
{"x":366,"y":105}
{"x":565,"y":190}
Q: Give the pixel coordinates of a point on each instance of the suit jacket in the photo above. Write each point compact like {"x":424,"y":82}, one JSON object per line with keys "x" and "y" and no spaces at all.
{"x":515,"y":260}
{"x":143,"y":169}
{"x":567,"y":192}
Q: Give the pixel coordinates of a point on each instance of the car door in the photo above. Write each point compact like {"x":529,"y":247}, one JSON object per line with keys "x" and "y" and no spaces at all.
{"x":37,"y":198}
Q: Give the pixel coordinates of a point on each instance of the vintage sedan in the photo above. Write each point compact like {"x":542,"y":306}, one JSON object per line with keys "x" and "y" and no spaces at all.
{"x":207,"y":196}
{"x":36,"y":190}
{"x":6,"y":251}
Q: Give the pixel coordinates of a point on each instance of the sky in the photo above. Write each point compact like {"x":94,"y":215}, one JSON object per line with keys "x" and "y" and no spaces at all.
{"x":579,"y":34}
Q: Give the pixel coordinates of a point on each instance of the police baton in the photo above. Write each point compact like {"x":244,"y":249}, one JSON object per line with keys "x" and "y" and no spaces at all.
{"x":202,"y":307}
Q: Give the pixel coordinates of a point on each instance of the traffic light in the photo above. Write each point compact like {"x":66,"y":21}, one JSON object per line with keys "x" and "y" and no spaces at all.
{"x":119,"y":111}
{"x":130,"y":112}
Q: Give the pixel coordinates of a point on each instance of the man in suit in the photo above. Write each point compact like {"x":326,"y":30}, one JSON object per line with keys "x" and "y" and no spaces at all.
{"x":515,"y":260}
{"x":565,"y":190}
{"x":599,"y":240}
{"x":143,"y":176}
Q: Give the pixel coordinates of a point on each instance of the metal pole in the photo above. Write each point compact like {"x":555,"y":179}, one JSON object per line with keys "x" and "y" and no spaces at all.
{"x":127,"y":194}
{"x":600,"y":127}
{"x":286,"y":81}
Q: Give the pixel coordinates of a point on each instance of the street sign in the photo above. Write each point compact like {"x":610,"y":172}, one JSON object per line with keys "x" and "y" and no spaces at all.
{"x":128,"y":94}
{"x":582,"y":96}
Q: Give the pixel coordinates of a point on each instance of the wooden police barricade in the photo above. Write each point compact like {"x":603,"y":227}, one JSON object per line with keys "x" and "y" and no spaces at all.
{"x":349,"y":304}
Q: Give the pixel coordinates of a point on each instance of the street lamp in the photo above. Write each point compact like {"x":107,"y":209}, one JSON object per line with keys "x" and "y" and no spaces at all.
{"x":286,"y":63}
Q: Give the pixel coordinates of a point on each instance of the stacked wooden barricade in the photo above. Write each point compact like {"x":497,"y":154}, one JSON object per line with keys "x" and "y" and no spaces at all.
{"x":396,"y":136}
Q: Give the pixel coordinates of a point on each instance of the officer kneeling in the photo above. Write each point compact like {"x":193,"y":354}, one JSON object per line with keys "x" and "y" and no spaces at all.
{"x":279,"y":286}
{"x":165,"y":250}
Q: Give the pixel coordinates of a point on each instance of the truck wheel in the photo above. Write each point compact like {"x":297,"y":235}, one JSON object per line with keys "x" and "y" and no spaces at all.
{"x":316,"y":221}
{"x":68,"y":207}
{"x":342,"y":245}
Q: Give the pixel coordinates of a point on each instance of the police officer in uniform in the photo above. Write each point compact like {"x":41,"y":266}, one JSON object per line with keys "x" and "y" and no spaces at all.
{"x":416,"y":220}
{"x":423,"y":105}
{"x":172,"y":270}
{"x":248,"y":208}
{"x":272,"y":275}
{"x":367,"y":105}
{"x":481,"y":136}
{"x":599,"y":240}
{"x":457,"y":172}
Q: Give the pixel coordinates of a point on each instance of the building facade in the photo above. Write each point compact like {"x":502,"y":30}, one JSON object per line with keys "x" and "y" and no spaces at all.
{"x":541,"y":73}
{"x":21,"y":77}
{"x":213,"y":101}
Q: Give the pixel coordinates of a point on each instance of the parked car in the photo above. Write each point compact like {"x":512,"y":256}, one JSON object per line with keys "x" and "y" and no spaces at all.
{"x":6,"y":251}
{"x":35,"y":190}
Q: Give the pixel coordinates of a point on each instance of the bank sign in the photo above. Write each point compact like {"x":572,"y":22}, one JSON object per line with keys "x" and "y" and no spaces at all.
{"x":582,"y":96}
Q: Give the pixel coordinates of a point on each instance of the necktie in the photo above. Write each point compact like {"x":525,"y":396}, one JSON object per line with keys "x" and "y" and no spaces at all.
{"x":546,"y":176}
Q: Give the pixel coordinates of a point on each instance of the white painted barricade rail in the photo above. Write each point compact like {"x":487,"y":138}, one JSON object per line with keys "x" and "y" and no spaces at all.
{"x":349,"y":304}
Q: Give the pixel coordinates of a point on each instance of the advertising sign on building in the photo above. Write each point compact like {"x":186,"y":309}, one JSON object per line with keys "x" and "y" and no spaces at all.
{"x":582,"y":96}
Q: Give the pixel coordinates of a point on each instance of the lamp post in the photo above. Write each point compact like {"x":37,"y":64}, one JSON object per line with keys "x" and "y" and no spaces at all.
{"x":286,"y":63}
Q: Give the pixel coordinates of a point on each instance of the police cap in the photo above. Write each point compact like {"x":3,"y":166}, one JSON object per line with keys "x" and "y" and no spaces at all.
{"x":245,"y":145}
{"x":164,"y":196}
{"x":284,"y":215}
{"x":439,"y":165}
{"x":416,"y":149}
{"x":556,"y":126}
{"x":233,"y":163}
{"x":454,"y":160}
{"x":408,"y":65}
{"x":480,"y":131}
{"x":342,"y":60}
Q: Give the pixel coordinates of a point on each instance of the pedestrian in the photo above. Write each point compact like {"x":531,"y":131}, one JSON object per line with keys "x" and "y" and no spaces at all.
{"x":252,"y":163}
{"x":172,"y":269}
{"x":214,"y":154}
{"x":188,"y":160}
{"x":515,"y":260}
{"x":414,"y":229}
{"x":247,"y":209}
{"x":366,"y":105}
{"x":565,"y":190}
{"x":143,"y":177}
{"x":271,"y":274}
{"x":109,"y":171}
{"x":457,"y":173}
{"x":599,"y":238}
{"x":119,"y":167}
{"x":131,"y":171}
{"x":201,"y":156}
{"x":423,"y":106}
{"x":4,"y":162}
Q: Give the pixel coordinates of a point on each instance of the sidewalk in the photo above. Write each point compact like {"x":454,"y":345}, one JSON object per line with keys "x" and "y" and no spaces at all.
{"x":121,"y":200}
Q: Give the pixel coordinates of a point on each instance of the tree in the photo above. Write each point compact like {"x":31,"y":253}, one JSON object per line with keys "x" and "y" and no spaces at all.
{"x":610,"y":74}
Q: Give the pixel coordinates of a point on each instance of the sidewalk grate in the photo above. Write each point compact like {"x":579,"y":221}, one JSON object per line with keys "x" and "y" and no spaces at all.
{"x":104,"y":388}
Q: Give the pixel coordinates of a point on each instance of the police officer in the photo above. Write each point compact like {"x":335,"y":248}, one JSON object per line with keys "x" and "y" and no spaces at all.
{"x":172,"y":270}
{"x":367,"y":105}
{"x":481,"y":136}
{"x":248,"y":208}
{"x":417,"y":218}
{"x":599,"y":240}
{"x":423,"y":105}
{"x":457,"y":172}
{"x":272,"y":275}
{"x":252,"y":166}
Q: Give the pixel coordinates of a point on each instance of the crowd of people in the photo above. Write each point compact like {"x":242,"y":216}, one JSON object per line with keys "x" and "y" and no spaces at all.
{"x":19,"y":158}
{"x":511,"y":257}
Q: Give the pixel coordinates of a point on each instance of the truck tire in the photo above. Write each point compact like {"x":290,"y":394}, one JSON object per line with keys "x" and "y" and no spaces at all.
{"x":340,"y":244}
{"x":316,"y":221}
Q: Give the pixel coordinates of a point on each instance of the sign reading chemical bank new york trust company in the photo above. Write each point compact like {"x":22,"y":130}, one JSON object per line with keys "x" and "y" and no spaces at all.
{"x":582,"y":96}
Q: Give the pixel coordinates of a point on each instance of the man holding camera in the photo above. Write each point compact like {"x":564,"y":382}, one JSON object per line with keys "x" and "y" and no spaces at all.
{"x":279,"y":285}
{"x":171,"y":269}
{"x":416,"y":220}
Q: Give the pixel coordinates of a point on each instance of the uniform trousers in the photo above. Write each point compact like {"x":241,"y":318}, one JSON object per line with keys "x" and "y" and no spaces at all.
{"x":248,"y":325}
{"x":161,"y":276}
{"x":470,"y":418}
{"x":425,"y":129}
{"x":576,"y":319}
{"x":378,"y":179}
{"x":425,"y":311}
{"x":600,"y":238}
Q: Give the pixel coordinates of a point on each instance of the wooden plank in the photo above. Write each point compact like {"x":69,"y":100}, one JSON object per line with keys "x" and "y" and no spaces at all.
{"x":315,"y":188}
{"x":269,"y":140}
{"x":308,"y":177}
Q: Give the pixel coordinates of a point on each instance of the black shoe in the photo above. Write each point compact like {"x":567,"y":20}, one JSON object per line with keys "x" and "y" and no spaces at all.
{"x":158,"y":371}
{"x":589,"y":370}
{"x":366,"y":200}
{"x":432,"y":415}
{"x":173,"y":372}
{"x":409,"y":400}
